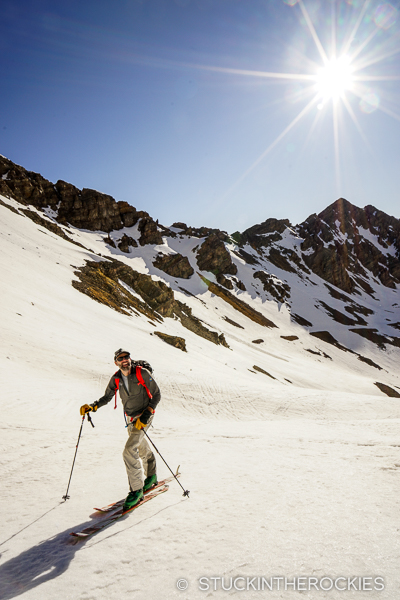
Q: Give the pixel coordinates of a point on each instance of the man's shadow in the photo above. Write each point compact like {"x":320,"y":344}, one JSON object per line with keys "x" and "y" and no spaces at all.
{"x":39,"y":564}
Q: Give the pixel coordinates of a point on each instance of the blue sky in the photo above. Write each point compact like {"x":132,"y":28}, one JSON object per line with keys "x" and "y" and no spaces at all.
{"x":161,"y":103}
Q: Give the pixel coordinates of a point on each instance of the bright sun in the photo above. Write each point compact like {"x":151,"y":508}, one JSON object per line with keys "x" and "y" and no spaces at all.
{"x":334,"y":78}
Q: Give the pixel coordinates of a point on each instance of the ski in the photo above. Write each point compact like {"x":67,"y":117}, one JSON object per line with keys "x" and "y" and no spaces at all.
{"x":114,"y":505}
{"x":117,"y":514}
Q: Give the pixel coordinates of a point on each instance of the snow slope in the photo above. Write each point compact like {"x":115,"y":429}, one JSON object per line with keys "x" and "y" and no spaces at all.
{"x":286,"y":479}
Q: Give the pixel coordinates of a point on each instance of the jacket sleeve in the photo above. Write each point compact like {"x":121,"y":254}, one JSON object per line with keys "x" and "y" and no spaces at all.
{"x":108,"y":394}
{"x":154,"y":389}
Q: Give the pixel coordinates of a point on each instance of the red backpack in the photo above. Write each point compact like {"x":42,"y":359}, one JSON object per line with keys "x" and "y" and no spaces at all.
{"x":140,"y":382}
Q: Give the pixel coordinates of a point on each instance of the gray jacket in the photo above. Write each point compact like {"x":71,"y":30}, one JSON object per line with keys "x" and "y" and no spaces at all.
{"x":137,"y":399}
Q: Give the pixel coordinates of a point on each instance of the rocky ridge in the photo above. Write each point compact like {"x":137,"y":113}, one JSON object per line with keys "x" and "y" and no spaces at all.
{"x":337,"y":273}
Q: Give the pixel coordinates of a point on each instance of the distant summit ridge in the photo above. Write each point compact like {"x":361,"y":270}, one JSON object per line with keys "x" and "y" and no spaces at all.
{"x":344,"y":245}
{"x":343,"y":242}
{"x":333,"y":278}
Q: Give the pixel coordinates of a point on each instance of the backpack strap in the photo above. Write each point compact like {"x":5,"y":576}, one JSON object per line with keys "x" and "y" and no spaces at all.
{"x":141,"y":380}
{"x":116,"y":388}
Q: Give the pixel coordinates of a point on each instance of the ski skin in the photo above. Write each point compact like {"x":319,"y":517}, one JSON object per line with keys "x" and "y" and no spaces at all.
{"x":114,"y":505}
{"x":118,"y":514}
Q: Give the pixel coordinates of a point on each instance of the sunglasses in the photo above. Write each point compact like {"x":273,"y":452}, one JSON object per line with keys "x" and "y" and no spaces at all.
{"x":120,"y":358}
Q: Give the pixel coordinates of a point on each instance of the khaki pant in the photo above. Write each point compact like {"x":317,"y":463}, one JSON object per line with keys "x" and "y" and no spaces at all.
{"x":139,"y":460}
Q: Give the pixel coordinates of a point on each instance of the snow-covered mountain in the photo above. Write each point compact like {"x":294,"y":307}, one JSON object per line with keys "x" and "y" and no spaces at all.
{"x":314,"y":305}
{"x":275,"y":350}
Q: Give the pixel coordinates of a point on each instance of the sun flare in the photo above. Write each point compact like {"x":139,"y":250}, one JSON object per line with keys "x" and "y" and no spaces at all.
{"x":335,"y":78}
{"x":343,"y":80}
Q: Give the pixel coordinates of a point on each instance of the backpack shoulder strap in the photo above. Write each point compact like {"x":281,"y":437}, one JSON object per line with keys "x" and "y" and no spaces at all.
{"x":141,"y":380}
{"x":116,"y":379}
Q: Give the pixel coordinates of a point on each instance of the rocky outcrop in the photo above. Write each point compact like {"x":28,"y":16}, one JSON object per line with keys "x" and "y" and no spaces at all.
{"x":214,"y":257}
{"x":263,"y":235}
{"x":47,"y":224}
{"x":112,"y":283}
{"x":172,"y":340}
{"x":242,"y":307}
{"x":149,"y":232}
{"x":197,"y":232}
{"x":345,"y":244}
{"x":175,"y":265}
{"x":84,"y":209}
{"x":260,"y":370}
{"x":100,"y":281}
{"x":386,"y":389}
{"x":273,"y":286}
{"x":126,"y":243}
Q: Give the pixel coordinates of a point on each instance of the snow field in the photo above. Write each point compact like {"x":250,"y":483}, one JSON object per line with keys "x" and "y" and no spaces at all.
{"x":285,"y":479}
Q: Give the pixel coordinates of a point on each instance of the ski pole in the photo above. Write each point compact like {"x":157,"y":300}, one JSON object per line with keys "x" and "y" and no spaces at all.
{"x":65,"y":497}
{"x":185,"y":492}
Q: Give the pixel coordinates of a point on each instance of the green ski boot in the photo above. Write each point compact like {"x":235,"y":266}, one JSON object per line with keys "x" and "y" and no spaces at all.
{"x":149,"y":482}
{"x":132,"y":499}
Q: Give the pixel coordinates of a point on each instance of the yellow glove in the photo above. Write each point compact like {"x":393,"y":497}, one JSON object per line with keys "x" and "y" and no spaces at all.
{"x":139,"y":425}
{"x":142,"y":421}
{"x":85,"y":408}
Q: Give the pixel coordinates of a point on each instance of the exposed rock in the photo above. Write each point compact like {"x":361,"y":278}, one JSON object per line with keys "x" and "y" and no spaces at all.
{"x":339,"y":317}
{"x":239,"y":305}
{"x":25,"y":186}
{"x":335,"y":248}
{"x":188,"y":320}
{"x":278,"y":258}
{"x":354,"y":308}
{"x":179,"y":226}
{"x":84,"y":209}
{"x":96,"y":282}
{"x":109,"y":241}
{"x":129,"y":214}
{"x":369,"y":362}
{"x":222,"y":280}
{"x":300,"y":320}
{"x":228,"y":320}
{"x":149,"y":232}
{"x":172,"y":340}
{"x":214,"y":257}
{"x":127,"y":243}
{"x":53,"y":227}
{"x":338,"y":295}
{"x":327,"y":337}
{"x":14,"y":210}
{"x":271,"y":284}
{"x":102,"y":282}
{"x":259,"y":236}
{"x":248,"y":258}
{"x":198,"y":232}
{"x":259,"y":341}
{"x":260,"y":370}
{"x":289,"y":338}
{"x":373,"y":336}
{"x":386,"y":389}
{"x":175,"y":265}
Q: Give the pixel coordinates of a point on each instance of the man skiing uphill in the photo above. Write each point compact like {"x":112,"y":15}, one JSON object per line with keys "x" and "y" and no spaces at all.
{"x":140,"y":395}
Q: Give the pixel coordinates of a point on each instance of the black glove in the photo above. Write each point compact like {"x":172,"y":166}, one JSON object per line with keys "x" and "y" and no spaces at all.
{"x":142,"y":421}
{"x":145,"y":416}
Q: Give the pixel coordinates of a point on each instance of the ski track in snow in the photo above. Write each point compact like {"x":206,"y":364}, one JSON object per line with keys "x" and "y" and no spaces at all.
{"x":285,"y":480}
